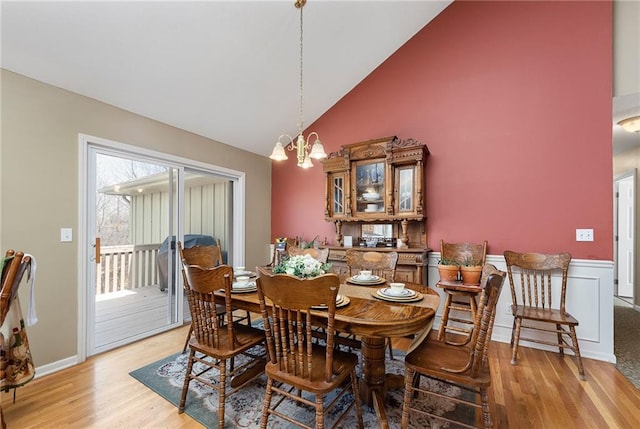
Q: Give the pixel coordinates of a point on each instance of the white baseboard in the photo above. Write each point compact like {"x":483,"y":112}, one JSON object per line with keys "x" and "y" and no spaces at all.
{"x":52,"y":367}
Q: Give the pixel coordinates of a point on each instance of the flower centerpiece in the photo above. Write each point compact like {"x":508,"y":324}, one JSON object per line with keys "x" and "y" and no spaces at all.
{"x":303,"y":266}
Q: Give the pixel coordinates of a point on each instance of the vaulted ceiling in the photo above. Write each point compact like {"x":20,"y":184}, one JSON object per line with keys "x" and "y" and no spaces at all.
{"x":226,"y":70}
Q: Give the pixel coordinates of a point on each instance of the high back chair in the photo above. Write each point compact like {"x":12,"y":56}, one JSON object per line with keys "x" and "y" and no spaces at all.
{"x":12,"y":272}
{"x":14,"y":265}
{"x":218,"y":342}
{"x":321,"y":255}
{"x":206,"y":257}
{"x":382,"y":264}
{"x":533,"y":295}
{"x":458,"y":297}
{"x":294,"y":359}
{"x":466,"y":367}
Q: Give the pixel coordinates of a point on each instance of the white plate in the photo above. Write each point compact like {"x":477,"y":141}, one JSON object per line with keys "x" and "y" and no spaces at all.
{"x":242,"y":273}
{"x":360,"y":278}
{"x":402,"y":293}
{"x":341,"y":301}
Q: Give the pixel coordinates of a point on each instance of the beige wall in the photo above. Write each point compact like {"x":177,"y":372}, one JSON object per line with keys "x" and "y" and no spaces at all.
{"x":626,"y":47}
{"x":623,"y":163}
{"x":39,"y":191}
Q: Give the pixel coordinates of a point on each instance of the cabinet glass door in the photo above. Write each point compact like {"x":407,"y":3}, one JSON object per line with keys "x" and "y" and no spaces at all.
{"x":338,"y":184}
{"x":405,"y":190}
{"x":369,"y":180}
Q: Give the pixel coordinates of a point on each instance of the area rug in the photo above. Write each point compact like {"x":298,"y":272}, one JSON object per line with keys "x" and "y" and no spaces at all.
{"x":244,"y":409}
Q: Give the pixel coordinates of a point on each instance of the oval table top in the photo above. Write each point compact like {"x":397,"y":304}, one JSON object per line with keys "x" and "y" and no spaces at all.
{"x":366,"y":315}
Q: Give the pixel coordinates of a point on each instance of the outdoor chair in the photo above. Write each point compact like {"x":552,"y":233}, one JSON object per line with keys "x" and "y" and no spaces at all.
{"x":532,"y":294}
{"x":465,"y":367}
{"x":296,"y":363}
{"x":213,"y":343}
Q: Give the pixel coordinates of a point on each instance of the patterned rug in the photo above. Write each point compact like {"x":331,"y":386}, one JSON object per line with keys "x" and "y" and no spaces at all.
{"x":244,"y":408}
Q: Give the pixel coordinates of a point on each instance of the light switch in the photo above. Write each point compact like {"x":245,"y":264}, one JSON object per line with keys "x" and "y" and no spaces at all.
{"x":66,"y":234}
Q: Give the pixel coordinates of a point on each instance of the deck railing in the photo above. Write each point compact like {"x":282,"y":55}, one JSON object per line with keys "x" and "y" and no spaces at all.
{"x":127,"y":267}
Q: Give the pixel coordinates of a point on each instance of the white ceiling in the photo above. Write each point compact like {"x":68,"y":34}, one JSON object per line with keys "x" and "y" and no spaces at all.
{"x":624,"y":107}
{"x":226,"y":70}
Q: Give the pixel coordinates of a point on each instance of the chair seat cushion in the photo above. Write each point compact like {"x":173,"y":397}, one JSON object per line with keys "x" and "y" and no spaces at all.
{"x":432,"y":356}
{"x":246,"y":337}
{"x":343,"y":363}
{"x":543,"y":314}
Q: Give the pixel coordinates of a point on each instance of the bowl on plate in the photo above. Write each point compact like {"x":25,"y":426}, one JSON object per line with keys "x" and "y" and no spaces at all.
{"x":370,"y":196}
{"x":242,"y":281}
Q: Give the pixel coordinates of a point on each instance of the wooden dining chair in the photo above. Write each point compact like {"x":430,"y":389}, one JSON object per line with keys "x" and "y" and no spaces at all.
{"x":12,"y":270}
{"x":533,"y":293}
{"x":382,"y":264}
{"x":460,"y":299}
{"x":206,"y":257}
{"x":14,"y":265}
{"x":466,"y":367}
{"x":296,"y":363}
{"x":213,"y":343}
{"x":321,"y":255}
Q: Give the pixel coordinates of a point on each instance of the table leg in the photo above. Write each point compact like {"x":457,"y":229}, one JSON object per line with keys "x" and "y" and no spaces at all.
{"x":373,"y":387}
{"x":373,"y":369}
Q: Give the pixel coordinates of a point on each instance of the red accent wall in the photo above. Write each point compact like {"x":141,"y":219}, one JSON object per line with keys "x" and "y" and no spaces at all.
{"x":514,"y":101}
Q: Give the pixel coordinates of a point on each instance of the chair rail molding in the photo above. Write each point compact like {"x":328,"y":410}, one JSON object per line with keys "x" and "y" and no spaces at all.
{"x":589,"y":299}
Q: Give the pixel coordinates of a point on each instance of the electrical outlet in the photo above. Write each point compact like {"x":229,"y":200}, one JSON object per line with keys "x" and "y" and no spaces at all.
{"x":584,"y":234}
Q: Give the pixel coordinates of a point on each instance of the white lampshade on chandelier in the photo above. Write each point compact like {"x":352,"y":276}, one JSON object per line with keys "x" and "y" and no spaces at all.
{"x":308,"y":148}
{"x":631,"y":124}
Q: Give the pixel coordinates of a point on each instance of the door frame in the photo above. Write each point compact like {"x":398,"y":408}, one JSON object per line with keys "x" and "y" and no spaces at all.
{"x":630,"y":173}
{"x":85,"y":247}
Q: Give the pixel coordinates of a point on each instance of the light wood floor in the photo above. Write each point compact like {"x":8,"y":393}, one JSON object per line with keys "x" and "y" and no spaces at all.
{"x":542,"y":391}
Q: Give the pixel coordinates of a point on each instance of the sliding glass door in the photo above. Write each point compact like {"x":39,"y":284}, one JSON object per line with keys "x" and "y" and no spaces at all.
{"x":133,"y":225}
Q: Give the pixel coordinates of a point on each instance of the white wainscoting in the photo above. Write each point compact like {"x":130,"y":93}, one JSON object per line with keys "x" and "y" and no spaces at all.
{"x":589,"y":299}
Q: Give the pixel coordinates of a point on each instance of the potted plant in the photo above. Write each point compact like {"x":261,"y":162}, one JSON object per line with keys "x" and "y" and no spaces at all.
{"x":471,"y":271}
{"x":448,"y":269}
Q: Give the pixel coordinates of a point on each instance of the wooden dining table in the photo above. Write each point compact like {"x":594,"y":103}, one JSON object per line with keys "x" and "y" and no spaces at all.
{"x":373,"y":320}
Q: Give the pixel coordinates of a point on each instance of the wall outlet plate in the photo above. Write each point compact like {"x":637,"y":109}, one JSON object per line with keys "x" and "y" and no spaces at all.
{"x":584,"y":234}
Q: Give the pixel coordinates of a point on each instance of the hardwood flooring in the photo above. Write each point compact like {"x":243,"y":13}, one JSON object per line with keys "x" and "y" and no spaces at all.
{"x":542,"y":391}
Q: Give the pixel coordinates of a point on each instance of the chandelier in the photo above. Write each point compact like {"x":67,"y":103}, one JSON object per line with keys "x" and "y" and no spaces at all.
{"x":305,"y":150}
{"x":631,"y":124}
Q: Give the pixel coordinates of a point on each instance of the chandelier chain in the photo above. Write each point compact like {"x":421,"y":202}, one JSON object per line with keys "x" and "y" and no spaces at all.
{"x":301,"y":123}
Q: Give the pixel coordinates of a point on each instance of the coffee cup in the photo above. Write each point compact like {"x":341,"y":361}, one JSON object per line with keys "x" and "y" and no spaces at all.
{"x":396,"y":288}
{"x":242,"y":281}
{"x":365,"y":274}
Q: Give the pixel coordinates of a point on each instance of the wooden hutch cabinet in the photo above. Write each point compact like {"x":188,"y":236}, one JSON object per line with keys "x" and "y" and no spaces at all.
{"x":375,"y":195}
